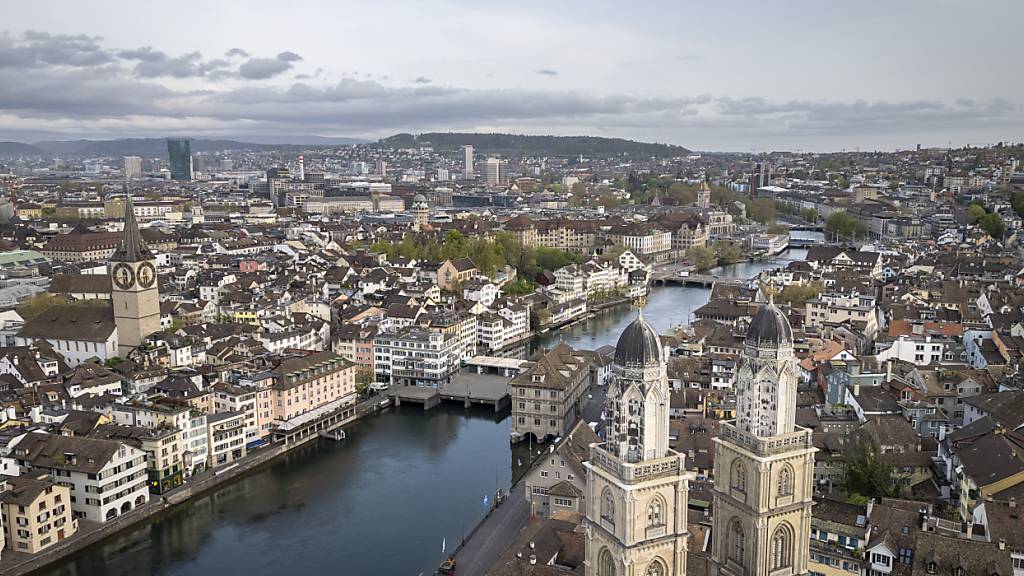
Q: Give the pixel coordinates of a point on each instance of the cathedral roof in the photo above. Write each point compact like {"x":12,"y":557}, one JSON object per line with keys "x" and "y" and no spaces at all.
{"x":133,"y":247}
{"x":769,"y":328}
{"x":638,"y":344}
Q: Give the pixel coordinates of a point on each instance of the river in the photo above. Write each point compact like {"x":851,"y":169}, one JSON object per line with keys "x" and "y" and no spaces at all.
{"x":380,"y":502}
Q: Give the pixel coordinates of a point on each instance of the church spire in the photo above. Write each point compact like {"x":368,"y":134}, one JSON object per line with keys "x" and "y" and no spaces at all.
{"x":133,"y":247}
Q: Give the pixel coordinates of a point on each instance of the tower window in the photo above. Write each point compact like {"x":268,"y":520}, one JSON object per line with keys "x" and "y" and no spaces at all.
{"x":785,"y":481}
{"x":739,"y":543}
{"x":782,"y":546}
{"x":739,"y":476}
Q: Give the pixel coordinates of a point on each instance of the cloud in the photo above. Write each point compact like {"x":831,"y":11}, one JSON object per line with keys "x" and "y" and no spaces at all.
{"x":184,"y":66}
{"x":236,"y":52}
{"x":36,"y":49}
{"x":263,"y":68}
{"x":547,"y":72}
{"x":145,"y":53}
{"x":422,"y":80}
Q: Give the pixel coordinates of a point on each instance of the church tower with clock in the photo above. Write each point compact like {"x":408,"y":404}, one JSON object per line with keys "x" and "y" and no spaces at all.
{"x":134,"y":291}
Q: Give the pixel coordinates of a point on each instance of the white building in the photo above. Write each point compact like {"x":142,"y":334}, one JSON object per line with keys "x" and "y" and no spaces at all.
{"x":413,"y":356}
{"x":106,"y":478}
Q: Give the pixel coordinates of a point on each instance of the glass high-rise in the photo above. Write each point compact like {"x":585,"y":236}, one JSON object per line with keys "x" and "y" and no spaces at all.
{"x":179,"y":154}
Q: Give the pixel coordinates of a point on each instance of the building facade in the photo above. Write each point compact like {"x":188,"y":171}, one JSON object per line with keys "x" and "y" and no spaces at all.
{"x":134,"y":292}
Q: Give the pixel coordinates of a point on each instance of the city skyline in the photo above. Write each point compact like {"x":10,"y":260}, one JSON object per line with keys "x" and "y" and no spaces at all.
{"x":743,"y":78}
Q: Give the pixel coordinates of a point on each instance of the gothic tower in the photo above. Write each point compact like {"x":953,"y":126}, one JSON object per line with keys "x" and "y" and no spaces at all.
{"x":636,"y":485}
{"x":764,"y":463}
{"x":704,"y":195}
{"x":134,"y":291}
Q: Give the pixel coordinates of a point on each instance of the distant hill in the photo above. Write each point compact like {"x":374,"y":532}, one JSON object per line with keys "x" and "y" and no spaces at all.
{"x":157,"y":147}
{"x":565,"y":146}
{"x":17,"y":149}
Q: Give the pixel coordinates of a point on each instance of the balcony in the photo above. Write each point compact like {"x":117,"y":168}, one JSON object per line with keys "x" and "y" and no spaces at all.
{"x":799,"y":439}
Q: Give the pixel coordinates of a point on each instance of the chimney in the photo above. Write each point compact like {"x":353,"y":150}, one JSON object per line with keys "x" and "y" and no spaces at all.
{"x":888,"y":370}
{"x":1013,"y":502}
{"x":1002,"y":544}
{"x":533,"y":559}
{"x":856,"y":389}
{"x":533,"y":545}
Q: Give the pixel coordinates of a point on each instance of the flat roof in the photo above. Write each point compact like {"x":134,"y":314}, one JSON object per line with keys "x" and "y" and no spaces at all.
{"x":495,"y":362}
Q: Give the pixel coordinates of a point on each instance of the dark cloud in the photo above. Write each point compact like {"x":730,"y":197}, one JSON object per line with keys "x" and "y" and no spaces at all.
{"x":145,"y":53}
{"x":236,"y":52}
{"x":36,"y":49}
{"x":185,"y":66}
{"x":263,"y":68}
{"x":547,"y":72}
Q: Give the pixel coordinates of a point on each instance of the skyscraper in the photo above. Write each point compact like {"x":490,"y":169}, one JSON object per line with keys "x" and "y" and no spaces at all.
{"x":761,"y":177}
{"x":494,"y":172}
{"x":132,"y":167}
{"x":764,"y":462}
{"x":179,"y":155}
{"x":467,"y":160}
{"x":637,"y":487}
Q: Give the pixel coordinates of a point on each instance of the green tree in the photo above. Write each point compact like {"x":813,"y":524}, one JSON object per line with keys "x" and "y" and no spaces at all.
{"x":32,"y":307}
{"x":727,"y":252}
{"x":364,"y":378}
{"x":521,"y":286}
{"x":842,"y":224}
{"x":762,"y":210}
{"x":865,"y":473}
{"x":975,"y":212}
{"x":810,"y":214}
{"x":797,"y":294}
{"x":1018,"y":202}
{"x":702,"y":257}
{"x":992,"y":224}
{"x":778,"y":229}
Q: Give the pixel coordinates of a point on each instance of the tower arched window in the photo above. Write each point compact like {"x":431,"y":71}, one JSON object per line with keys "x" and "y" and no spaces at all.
{"x":785,"y":487}
{"x":782,"y":547}
{"x":608,"y":507}
{"x":656,"y":513}
{"x":605,"y":563}
{"x":738,"y":550}
{"x":739,"y":476}
{"x":656,"y":568}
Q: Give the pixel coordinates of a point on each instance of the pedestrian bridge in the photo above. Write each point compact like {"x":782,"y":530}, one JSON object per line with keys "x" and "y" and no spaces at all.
{"x":706,"y":280}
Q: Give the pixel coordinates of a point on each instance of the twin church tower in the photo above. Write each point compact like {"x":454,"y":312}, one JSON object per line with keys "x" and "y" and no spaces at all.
{"x":637,"y":487}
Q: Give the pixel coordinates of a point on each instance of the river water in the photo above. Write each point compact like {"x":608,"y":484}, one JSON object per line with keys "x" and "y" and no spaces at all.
{"x":380,"y":502}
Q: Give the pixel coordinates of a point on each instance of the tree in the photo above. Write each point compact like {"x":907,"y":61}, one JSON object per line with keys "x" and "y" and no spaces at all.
{"x":762,"y":210}
{"x":34,"y":306}
{"x":810,"y":214}
{"x":1018,"y":202}
{"x":364,"y":377}
{"x":842,"y":224}
{"x":727,"y":252}
{"x":992,"y":224}
{"x":521,"y":286}
{"x":797,"y":294}
{"x":778,"y":229}
{"x":702,"y":257}
{"x":866,"y":474}
{"x":975,"y":212}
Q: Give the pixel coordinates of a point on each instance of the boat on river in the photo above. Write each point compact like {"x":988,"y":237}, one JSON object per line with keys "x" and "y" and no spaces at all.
{"x":336,"y":435}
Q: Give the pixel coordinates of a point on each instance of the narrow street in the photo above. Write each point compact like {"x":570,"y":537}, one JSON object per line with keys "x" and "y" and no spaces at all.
{"x":498,"y":530}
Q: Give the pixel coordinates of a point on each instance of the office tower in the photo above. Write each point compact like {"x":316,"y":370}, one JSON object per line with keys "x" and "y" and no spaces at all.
{"x":761,"y":177}
{"x":179,"y":155}
{"x":467,"y":162}
{"x":442,"y":174}
{"x":132,"y":167}
{"x":382,"y":168}
{"x":494,"y":172}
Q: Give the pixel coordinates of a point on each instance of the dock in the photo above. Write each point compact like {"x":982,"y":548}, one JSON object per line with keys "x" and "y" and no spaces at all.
{"x":472,"y":388}
{"x":429,"y":397}
{"x":484,"y":381}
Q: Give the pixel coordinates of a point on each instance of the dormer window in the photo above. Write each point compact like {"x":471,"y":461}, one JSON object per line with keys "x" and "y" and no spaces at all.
{"x":960,"y":571}
{"x":931,"y":568}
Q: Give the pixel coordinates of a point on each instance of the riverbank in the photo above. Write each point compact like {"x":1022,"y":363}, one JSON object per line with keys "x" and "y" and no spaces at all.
{"x":91,"y":533}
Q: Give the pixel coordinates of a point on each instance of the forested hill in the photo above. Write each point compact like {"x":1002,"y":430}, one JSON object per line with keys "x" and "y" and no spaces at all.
{"x":556,"y":146}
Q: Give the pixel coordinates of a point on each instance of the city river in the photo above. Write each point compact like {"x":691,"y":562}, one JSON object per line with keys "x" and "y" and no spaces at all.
{"x":380,"y":502}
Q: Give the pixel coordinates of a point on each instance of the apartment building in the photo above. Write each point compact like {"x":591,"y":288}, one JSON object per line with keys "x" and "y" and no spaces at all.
{"x":306,"y":383}
{"x":106,"y":478}
{"x":165,"y":465}
{"x":547,"y":395}
{"x":414,"y":356}
{"x":36,"y":513}
{"x":225,"y":437}
{"x":832,"y":308}
{"x":241,"y":400}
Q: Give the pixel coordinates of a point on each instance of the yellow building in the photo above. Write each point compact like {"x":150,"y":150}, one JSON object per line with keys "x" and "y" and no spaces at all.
{"x":36,"y":513}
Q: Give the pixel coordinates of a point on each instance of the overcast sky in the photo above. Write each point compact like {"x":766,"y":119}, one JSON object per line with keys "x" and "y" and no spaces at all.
{"x":713,"y":75}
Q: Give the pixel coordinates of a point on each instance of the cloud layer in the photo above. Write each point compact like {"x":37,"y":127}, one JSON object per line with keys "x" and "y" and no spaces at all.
{"x":75,"y":85}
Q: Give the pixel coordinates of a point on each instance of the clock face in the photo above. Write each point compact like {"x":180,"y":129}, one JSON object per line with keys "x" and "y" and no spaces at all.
{"x":123,"y":276}
{"x":146,"y":275}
